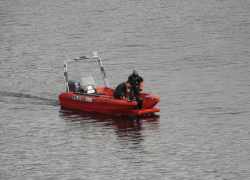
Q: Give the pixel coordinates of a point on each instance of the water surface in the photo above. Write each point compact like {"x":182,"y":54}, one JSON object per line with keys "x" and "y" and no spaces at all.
{"x":193,"y":55}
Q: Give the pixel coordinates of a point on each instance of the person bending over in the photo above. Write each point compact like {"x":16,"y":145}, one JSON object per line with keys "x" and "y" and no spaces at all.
{"x":121,"y":90}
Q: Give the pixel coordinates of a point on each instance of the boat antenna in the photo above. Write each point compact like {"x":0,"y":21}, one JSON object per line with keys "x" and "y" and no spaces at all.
{"x":66,"y":75}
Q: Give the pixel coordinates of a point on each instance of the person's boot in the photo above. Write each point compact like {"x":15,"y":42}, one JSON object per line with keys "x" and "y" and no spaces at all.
{"x":139,"y":104}
{"x":136,"y":107}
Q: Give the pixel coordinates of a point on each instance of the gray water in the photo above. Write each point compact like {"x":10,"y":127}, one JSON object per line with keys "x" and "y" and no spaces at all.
{"x":194,"y":55}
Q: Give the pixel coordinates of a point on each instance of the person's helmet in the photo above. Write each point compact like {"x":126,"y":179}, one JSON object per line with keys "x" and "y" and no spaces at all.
{"x":135,"y":70}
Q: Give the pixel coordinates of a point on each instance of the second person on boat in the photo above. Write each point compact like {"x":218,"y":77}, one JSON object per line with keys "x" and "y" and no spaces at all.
{"x":121,"y":90}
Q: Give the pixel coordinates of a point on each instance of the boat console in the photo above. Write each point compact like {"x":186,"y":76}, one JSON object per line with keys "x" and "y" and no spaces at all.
{"x":87,"y":87}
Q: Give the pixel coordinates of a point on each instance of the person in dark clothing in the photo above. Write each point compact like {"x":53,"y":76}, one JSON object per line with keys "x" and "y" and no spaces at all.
{"x":136,"y":85}
{"x":121,"y":90}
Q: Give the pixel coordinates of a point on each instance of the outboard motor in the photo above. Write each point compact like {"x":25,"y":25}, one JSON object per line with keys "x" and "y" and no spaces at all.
{"x":74,"y":86}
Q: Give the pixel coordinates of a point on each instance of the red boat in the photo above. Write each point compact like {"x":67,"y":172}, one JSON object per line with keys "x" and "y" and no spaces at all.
{"x":85,"y":96}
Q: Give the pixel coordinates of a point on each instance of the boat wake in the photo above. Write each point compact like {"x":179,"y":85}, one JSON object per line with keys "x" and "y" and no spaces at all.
{"x":42,"y":100}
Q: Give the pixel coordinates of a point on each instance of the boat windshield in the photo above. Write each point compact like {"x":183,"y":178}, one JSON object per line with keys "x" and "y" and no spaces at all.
{"x":87,"y":80}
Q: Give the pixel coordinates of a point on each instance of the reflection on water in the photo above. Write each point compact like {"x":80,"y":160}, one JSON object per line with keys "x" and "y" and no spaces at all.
{"x":124,"y":126}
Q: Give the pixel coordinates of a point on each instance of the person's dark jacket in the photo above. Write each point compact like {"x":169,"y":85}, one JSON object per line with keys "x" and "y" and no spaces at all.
{"x":120,"y":89}
{"x":136,"y":81}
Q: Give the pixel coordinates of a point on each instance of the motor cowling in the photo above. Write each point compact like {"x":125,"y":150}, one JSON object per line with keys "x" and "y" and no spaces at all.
{"x":74,"y":86}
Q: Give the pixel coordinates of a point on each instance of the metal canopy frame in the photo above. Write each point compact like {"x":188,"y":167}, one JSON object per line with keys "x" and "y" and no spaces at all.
{"x":105,"y":79}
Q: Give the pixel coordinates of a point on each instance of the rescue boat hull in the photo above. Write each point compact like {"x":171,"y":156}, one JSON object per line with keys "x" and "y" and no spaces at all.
{"x":103,"y":102}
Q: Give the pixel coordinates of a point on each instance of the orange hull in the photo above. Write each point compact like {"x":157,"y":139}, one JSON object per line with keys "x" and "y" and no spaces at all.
{"x":103,"y":102}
